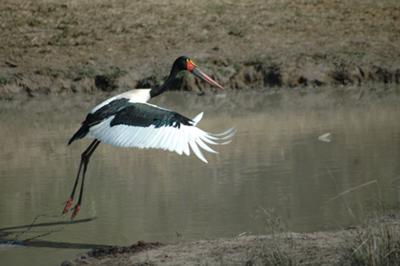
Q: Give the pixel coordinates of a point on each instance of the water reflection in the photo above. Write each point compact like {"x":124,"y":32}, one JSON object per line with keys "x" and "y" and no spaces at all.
{"x":275,"y":162}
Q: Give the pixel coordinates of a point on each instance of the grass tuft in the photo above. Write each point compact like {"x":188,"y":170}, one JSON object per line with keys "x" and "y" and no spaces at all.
{"x":376,"y":244}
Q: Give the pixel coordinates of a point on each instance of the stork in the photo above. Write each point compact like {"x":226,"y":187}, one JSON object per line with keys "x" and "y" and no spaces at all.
{"x":127,"y":120}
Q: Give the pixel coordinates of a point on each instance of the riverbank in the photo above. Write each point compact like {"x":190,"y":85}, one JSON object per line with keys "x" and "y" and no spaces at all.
{"x":91,"y":47}
{"x":376,"y":243}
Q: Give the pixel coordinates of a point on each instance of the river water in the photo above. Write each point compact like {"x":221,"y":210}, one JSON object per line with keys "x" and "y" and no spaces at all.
{"x":276,"y":166}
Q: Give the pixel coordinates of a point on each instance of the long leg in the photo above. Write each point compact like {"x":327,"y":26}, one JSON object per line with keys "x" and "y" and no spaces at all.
{"x":68,"y":204}
{"x":85,"y":161}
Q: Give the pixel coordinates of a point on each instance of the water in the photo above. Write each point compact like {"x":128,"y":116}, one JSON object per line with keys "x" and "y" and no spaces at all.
{"x":276,"y":164}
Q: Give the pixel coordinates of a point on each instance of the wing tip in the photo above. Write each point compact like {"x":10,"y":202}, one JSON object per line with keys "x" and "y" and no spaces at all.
{"x":197,"y":118}
{"x":221,"y":138}
{"x":82,"y":131}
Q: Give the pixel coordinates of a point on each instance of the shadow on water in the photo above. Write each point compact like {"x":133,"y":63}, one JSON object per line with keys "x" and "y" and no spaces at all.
{"x":12,"y":235}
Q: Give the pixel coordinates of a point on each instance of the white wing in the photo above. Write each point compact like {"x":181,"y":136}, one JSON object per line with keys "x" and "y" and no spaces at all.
{"x":180,"y":139}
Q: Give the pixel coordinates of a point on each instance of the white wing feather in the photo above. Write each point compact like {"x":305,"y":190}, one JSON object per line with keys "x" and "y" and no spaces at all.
{"x":176,"y":139}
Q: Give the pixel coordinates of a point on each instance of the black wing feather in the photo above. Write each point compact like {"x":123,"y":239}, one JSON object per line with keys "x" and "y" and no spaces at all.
{"x":97,"y":117}
{"x":144,"y":115}
{"x":133,"y":114}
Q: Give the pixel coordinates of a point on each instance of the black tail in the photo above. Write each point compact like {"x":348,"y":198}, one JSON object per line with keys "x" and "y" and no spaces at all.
{"x":82,"y":131}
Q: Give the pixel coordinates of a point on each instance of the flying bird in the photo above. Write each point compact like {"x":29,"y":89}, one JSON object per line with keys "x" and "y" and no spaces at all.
{"x":127,"y":120}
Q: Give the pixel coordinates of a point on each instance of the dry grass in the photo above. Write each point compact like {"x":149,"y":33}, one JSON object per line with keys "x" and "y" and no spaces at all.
{"x":373,"y":245}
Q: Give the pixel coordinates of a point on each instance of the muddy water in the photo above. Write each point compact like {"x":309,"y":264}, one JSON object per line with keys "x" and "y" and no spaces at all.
{"x":275,"y":166}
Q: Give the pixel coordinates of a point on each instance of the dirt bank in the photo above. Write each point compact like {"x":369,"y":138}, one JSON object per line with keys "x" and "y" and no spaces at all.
{"x":82,"y":46}
{"x":377,"y":243}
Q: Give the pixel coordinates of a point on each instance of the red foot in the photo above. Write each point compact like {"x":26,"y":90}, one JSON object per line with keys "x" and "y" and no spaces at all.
{"x":77,"y":208}
{"x":67,"y":206}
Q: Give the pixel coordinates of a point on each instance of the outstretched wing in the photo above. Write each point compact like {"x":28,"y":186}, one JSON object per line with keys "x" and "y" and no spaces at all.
{"x":147,"y":126}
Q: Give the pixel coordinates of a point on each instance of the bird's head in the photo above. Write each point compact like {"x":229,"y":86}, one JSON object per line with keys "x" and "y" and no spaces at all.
{"x":184,"y":63}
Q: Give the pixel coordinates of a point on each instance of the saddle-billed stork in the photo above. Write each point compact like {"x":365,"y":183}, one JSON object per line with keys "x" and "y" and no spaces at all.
{"x":127,"y":120}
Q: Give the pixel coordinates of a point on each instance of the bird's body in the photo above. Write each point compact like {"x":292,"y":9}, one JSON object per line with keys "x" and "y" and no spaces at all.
{"x":127,"y":120}
{"x":110,"y":107}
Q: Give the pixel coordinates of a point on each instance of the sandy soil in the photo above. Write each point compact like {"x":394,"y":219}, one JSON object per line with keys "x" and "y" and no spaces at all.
{"x":315,"y":248}
{"x":375,"y":243}
{"x":82,"y":46}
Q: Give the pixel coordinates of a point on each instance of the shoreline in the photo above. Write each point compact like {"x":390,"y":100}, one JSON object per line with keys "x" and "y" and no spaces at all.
{"x":256,"y":100}
{"x":248,"y":76}
{"x":371,"y":243}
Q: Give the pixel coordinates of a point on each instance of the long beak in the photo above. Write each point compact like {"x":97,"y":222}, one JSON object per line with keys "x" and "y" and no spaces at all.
{"x":198,"y":73}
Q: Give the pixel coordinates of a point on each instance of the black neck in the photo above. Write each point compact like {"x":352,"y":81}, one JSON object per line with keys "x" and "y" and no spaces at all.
{"x":166,"y":85}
